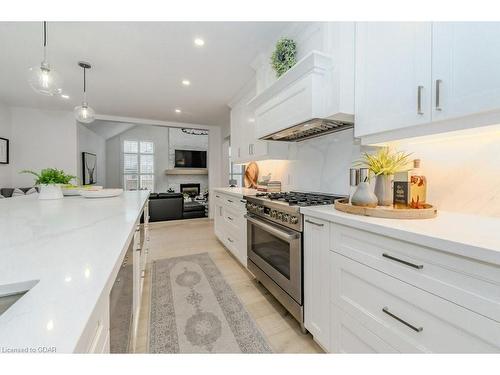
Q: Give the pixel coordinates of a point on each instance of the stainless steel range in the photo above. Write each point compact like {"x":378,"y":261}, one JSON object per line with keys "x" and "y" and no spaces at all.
{"x":274,"y":244}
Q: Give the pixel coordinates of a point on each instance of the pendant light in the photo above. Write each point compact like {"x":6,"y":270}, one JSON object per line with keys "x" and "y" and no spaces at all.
{"x":42,"y":78}
{"x":84,"y":113}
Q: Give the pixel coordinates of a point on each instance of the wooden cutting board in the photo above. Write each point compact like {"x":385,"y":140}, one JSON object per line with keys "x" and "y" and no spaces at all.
{"x":387,"y":212}
{"x":251,"y":175}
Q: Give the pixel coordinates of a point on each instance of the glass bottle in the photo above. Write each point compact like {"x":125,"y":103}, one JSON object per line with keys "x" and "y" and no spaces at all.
{"x":418,"y":186}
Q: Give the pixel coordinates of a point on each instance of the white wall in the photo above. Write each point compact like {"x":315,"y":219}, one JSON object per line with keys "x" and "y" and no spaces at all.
{"x":5,"y":132}
{"x":88,"y":141}
{"x":42,"y":139}
{"x":114,"y":156}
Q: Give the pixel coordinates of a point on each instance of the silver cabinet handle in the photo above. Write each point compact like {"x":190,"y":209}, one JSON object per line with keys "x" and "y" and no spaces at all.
{"x":249,"y":150}
{"x":218,"y":196}
{"x":230,"y":218}
{"x":230,"y":240}
{"x":417,"y":266}
{"x":230,"y":201}
{"x":419,"y":100}
{"x":416,"y":329}
{"x":438,"y":95}
{"x":239,"y":152}
{"x":313,"y":223}
{"x":243,"y":201}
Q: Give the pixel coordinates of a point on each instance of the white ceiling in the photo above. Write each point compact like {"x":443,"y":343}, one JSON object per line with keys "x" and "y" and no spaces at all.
{"x":137,"y":66}
{"x":109,"y":129}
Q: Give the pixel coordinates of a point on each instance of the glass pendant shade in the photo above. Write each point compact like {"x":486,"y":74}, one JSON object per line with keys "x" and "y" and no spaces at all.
{"x":44,"y":80}
{"x":85,"y":114}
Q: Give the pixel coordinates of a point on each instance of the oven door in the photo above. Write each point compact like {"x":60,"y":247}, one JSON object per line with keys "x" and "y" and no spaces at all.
{"x":277,"y":251}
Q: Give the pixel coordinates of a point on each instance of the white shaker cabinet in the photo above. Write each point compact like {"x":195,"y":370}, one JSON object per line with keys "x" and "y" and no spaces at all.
{"x":317,"y":280}
{"x":393,"y":76}
{"x":465,"y":68}
{"x":245,"y":145}
{"x":230,"y":225}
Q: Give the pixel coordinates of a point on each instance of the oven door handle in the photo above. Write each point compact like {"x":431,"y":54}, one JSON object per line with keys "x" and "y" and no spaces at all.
{"x":284,"y":235}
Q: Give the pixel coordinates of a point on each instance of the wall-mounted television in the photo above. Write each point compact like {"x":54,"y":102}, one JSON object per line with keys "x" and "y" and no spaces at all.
{"x":190,"y":159}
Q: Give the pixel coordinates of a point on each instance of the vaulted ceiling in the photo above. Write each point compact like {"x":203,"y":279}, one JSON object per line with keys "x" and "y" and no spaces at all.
{"x":138,"y":67}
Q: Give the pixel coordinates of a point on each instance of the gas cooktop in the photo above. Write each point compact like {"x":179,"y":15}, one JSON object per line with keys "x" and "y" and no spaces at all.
{"x":293,"y":198}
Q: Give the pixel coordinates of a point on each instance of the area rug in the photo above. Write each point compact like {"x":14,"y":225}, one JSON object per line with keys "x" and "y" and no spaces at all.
{"x":194,"y":310}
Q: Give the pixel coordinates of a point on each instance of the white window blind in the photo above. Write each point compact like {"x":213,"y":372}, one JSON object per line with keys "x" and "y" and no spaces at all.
{"x":138,"y":165}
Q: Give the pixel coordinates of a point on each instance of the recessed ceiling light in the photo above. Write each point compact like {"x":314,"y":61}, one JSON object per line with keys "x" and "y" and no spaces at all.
{"x":199,"y":42}
{"x":186,"y":82}
{"x":177,"y":110}
{"x":64,"y":96}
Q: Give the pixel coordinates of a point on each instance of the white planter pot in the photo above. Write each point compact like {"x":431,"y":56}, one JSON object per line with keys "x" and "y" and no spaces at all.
{"x":50,"y":192}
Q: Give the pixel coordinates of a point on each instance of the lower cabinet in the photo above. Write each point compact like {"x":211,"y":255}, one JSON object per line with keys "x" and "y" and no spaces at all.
{"x":230,"y":225}
{"x":317,"y":280}
{"x":367,"y":293}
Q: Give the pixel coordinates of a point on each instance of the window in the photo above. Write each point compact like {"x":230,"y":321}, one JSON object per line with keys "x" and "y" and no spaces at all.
{"x":138,"y":165}
{"x":236,"y":172}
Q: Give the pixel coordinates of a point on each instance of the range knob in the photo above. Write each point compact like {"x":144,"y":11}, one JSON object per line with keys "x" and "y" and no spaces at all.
{"x":260,"y":209}
{"x":273,"y":214}
{"x":285,"y":218}
{"x":279,"y":216}
{"x":294,"y":220}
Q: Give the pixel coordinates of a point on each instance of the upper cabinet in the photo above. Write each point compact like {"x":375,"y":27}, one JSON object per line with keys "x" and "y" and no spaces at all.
{"x":422,"y":78}
{"x":393,"y":69}
{"x":245,"y":145}
{"x":465,"y":68}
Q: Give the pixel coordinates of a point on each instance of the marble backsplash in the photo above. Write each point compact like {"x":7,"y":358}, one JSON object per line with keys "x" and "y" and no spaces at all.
{"x":462,"y":168}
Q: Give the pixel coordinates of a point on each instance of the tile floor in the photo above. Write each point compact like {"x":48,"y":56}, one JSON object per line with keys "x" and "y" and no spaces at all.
{"x":176,"y":238}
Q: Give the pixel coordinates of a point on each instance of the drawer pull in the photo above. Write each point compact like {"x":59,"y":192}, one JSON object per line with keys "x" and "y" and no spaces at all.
{"x":143,"y":274}
{"x":230,"y":201}
{"x":416,"y":329}
{"x":230,"y":240}
{"x":313,"y":223}
{"x":243,"y":201}
{"x":218,"y":196}
{"x":230,"y":218}
{"x":417,"y":266}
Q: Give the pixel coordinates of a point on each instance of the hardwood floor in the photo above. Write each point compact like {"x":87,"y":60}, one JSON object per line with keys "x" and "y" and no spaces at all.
{"x":183,"y":237}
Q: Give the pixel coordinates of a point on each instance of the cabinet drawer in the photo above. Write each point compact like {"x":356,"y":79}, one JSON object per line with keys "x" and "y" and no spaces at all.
{"x":474,"y":285}
{"x":349,"y":336}
{"x":231,"y":201}
{"x":408,"y":318}
{"x":234,"y":221}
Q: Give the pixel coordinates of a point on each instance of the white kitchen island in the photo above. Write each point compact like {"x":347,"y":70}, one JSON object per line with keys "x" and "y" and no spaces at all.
{"x":68,"y":252}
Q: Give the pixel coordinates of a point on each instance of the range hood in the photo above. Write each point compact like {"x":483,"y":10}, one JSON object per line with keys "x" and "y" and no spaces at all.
{"x":309,"y":129}
{"x":312,"y":99}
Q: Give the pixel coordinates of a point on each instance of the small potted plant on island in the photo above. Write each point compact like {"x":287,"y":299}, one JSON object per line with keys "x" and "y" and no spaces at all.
{"x":383,"y":164}
{"x":49,"y":182}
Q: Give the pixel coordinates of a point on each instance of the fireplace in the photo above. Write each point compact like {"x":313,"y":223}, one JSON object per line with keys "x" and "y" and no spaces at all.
{"x":192,"y":190}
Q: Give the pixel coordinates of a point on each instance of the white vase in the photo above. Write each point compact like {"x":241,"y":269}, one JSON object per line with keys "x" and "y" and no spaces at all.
{"x":51,"y":191}
{"x":363,"y":196}
{"x":383,"y":189}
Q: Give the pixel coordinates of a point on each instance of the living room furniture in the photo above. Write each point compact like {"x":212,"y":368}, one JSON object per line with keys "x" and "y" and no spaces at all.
{"x":166,"y":206}
{"x":194,"y":210}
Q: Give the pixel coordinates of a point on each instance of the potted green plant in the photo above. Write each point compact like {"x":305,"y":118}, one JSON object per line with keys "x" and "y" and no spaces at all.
{"x":383,"y":164}
{"x":284,"y":56}
{"x":49,"y":182}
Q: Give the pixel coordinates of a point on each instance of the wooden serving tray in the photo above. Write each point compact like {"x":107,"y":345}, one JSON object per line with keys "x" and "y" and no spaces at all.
{"x":387,"y":212}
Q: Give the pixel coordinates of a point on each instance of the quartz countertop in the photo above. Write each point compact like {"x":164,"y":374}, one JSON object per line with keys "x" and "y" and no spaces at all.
{"x":471,"y":236}
{"x":67,"y":249}
{"x":236,"y":191}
